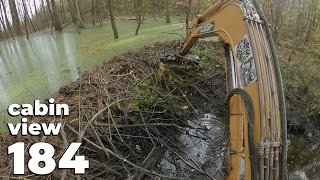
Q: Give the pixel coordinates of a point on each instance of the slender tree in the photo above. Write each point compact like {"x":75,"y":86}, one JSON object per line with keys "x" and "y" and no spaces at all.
{"x":63,"y":13}
{"x":4,"y":14}
{"x":93,"y":11}
{"x":139,"y":4}
{"x":3,"y":25}
{"x":312,"y":20}
{"x":25,"y":17}
{"x":56,"y":18}
{"x":78,"y":13}
{"x":15,"y":17}
{"x":113,"y":23}
{"x":168,"y":20}
{"x":188,"y":14}
{"x":74,"y":15}
{"x":35,"y":9}
{"x":277,"y":17}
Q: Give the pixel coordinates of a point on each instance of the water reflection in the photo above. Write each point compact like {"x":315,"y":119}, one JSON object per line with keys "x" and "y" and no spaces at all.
{"x":35,"y":68}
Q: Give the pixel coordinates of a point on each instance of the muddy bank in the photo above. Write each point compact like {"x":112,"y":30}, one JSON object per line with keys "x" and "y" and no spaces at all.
{"x":131,"y":110}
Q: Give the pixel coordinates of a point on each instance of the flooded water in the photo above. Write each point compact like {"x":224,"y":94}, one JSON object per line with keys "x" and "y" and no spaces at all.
{"x":202,"y":148}
{"x":38,"y":67}
{"x":303,"y":159}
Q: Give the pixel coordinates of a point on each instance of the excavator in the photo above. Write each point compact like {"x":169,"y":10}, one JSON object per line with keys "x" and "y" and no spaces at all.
{"x":256,"y":126}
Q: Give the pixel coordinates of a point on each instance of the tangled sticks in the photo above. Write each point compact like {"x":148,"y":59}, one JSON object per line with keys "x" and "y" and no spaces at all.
{"x":127,"y":113}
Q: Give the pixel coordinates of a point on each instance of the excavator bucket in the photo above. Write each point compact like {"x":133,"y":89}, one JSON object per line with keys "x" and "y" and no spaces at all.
{"x":177,"y":61}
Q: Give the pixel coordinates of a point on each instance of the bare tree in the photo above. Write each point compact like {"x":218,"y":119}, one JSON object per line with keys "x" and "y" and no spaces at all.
{"x":139,"y":4}
{"x":25,"y":13}
{"x":56,"y":19}
{"x":15,"y":17}
{"x":74,"y":15}
{"x":35,"y":9}
{"x":313,"y":18}
{"x":113,"y":23}
{"x":188,"y":14}
{"x":79,"y":16}
{"x":4,"y":15}
{"x":93,"y":10}
{"x":168,"y":20}
{"x":63,"y":14}
{"x":3,"y":25}
{"x":277,"y":17}
{"x":30,"y":17}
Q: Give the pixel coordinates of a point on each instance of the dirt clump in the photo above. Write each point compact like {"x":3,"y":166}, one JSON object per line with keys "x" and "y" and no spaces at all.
{"x":128,"y":111}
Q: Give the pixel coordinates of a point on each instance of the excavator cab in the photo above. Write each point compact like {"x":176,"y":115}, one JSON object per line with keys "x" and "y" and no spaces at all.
{"x":256,"y":117}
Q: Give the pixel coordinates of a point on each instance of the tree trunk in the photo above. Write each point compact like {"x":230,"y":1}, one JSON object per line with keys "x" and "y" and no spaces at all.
{"x":98,"y":11}
{"x":3,"y":25}
{"x":25,"y":12}
{"x":113,"y":23}
{"x":168,"y":20}
{"x":76,"y":5}
{"x":15,"y":17}
{"x":139,"y":16}
{"x":6,"y":18}
{"x":312,"y":20}
{"x":277,"y":17}
{"x":73,"y":14}
{"x":93,"y":10}
{"x":44,"y":12}
{"x":188,"y":14}
{"x":101,"y":8}
{"x":50,"y":13}
{"x":63,"y":14}
{"x":33,"y":24}
{"x":35,"y":9}
{"x":56,"y":16}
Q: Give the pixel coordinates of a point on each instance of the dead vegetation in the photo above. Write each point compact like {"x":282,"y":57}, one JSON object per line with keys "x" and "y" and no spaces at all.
{"x":127,"y":112}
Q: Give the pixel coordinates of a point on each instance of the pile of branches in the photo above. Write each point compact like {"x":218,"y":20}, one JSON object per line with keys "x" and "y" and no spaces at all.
{"x":125,"y":113}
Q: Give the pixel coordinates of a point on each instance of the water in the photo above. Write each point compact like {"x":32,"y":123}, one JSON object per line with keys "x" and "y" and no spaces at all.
{"x":200,"y":147}
{"x":38,"y":67}
{"x":204,"y":148}
{"x":303,"y":159}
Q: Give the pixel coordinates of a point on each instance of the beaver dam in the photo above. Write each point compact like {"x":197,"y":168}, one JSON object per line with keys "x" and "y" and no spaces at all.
{"x":138,"y":118}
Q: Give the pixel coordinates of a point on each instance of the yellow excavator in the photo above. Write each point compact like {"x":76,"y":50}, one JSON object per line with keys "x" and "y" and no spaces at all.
{"x":256,"y":116}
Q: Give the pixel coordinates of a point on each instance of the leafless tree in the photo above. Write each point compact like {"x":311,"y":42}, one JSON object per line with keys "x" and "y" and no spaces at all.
{"x":139,"y":4}
{"x":188,"y":14}
{"x":4,"y":15}
{"x":168,"y":20}
{"x":56,"y":18}
{"x":15,"y":17}
{"x":113,"y":23}
{"x":74,"y":15}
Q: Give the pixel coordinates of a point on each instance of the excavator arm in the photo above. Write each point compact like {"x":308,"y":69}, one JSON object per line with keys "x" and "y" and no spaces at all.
{"x":256,"y":118}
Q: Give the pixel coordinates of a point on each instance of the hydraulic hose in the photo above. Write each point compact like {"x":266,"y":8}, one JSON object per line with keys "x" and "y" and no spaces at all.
{"x":249,"y":107}
{"x":282,"y":106}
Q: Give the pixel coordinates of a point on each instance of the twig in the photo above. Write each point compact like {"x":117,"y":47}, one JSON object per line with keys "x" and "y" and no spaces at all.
{"x":125,"y":160}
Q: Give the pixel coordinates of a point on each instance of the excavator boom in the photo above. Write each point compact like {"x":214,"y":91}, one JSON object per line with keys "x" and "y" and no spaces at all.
{"x":256,"y":119}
